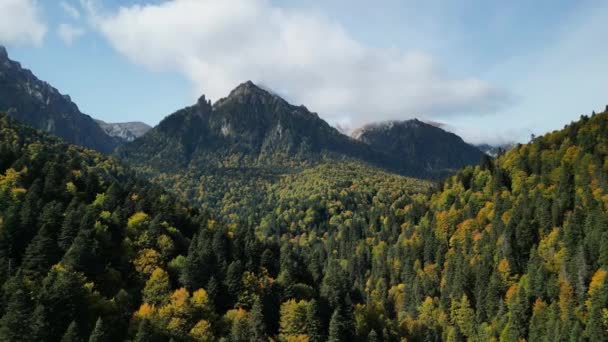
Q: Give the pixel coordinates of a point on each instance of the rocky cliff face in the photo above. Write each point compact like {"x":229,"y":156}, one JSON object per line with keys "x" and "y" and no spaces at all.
{"x":37,"y":103}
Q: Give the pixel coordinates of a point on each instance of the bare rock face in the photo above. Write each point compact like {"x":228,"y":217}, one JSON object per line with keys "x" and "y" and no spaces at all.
{"x":36,"y":103}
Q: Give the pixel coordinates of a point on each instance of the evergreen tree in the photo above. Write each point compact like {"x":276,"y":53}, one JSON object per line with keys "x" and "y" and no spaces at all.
{"x":338,"y":327}
{"x":41,"y":253}
{"x":233,"y":279}
{"x":99,"y":333}
{"x":313,"y":326}
{"x":256,"y":320}
{"x":71,"y":334}
{"x":145,"y":332}
{"x":15,"y":325}
{"x":372,"y":336}
{"x":240,"y":331}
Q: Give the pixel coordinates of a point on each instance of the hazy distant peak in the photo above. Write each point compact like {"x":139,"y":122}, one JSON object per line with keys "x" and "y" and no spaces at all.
{"x":124,"y":131}
{"x":387,"y":125}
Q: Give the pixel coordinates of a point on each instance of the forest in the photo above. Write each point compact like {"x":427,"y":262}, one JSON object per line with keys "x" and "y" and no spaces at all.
{"x":512,"y":249}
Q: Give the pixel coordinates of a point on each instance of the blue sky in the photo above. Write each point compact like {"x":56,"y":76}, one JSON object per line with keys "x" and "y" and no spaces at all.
{"x":492,"y":71}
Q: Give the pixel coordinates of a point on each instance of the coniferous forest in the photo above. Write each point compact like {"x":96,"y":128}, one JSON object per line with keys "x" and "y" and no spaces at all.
{"x":514,"y":248}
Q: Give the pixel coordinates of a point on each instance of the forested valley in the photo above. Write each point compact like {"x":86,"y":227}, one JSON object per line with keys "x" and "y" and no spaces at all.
{"x":512,"y":249}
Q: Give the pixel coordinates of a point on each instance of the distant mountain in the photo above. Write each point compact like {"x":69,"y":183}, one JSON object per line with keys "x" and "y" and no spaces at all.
{"x":38,"y":104}
{"x":438,"y":152}
{"x":495,"y":150}
{"x":251,"y":128}
{"x":124,"y":131}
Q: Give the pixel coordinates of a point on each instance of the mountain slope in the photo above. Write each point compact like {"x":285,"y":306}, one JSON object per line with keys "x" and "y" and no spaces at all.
{"x":440,"y":153}
{"x":124,"y":131}
{"x":72,"y":225}
{"x":37,"y":103}
{"x":250,"y":128}
{"x":513,"y":249}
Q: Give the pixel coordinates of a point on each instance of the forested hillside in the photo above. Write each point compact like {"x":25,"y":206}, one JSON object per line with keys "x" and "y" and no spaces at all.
{"x":79,"y":236}
{"x":514,"y":248}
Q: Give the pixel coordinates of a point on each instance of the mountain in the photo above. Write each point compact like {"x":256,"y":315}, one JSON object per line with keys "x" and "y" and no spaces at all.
{"x":251,"y":128}
{"x":440,"y":153}
{"x":495,"y":149}
{"x":37,"y":103}
{"x":124,"y":131}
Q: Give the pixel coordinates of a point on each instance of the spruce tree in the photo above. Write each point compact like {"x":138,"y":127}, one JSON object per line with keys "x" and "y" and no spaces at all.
{"x":257,"y":326}
{"x":99,"y":333}
{"x":145,"y":332}
{"x":71,"y":334}
{"x":41,"y":253}
{"x":313,"y":326}
{"x":15,"y":325}
{"x":338,"y":327}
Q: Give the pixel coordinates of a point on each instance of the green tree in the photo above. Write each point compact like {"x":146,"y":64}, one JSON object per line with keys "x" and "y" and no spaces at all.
{"x":99,"y":333}
{"x":145,"y":332}
{"x":313,"y":325}
{"x":338,"y":327}
{"x":15,"y":324}
{"x":256,"y":320}
{"x":72,"y":334}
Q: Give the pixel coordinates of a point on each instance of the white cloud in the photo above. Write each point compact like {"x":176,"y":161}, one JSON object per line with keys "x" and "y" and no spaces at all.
{"x":304,"y":56}
{"x":69,"y":34}
{"x":70,"y":10}
{"x":20,"y":22}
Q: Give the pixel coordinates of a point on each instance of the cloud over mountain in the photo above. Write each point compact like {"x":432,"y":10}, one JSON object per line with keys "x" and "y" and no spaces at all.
{"x":20,"y":22}
{"x":304,"y":56}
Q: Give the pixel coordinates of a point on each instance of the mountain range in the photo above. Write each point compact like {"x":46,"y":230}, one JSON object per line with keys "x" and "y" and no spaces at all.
{"x":250,"y":128}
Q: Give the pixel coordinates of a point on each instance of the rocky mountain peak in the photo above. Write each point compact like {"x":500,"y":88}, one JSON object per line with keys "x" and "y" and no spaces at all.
{"x":249,"y":93}
{"x":3,"y":53}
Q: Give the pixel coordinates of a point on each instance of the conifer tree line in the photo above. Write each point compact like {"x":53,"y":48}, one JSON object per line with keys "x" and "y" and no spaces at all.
{"x":512,"y":249}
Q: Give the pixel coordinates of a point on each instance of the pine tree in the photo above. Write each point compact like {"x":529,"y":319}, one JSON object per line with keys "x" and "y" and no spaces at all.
{"x":240,"y":331}
{"x":335,"y":287}
{"x":338,"y":327}
{"x":99,"y":333}
{"x":145,"y":332}
{"x":256,"y":321}
{"x":313,"y":326}
{"x":82,"y":255}
{"x":40,"y":323}
{"x":70,"y":225}
{"x":71,"y":334}
{"x":41,"y":253}
{"x":233,"y":279}
{"x":372,"y":336}
{"x":15,"y":325}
